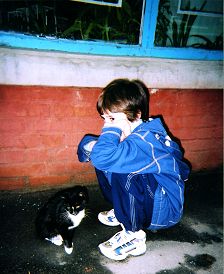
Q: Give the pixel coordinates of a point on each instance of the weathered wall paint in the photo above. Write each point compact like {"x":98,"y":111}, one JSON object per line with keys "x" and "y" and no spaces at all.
{"x":26,"y":67}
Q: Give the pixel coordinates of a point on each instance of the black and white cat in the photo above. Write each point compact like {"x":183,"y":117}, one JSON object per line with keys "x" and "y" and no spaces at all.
{"x":63,"y":212}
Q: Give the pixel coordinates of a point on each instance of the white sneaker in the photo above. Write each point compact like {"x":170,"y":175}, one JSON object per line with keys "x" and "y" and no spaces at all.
{"x":108,"y":218}
{"x":124,"y":243}
{"x":56,"y":240}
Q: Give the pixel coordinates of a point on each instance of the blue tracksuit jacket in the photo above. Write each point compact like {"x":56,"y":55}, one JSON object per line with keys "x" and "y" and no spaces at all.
{"x":148,"y":149}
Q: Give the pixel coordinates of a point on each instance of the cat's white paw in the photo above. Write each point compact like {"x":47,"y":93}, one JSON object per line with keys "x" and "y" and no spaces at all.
{"x":68,"y":250}
{"x":56,"y":240}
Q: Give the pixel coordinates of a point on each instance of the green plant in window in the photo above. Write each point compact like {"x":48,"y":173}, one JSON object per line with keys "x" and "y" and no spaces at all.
{"x":163,"y":23}
{"x":217,"y":44}
{"x":171,"y":32}
{"x":107,"y":23}
{"x":181,"y":33}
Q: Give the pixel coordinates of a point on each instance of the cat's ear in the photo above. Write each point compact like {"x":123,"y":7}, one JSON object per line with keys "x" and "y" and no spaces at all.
{"x":84,"y":196}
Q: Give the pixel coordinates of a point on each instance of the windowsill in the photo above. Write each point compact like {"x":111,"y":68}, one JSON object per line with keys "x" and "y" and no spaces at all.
{"x":51,"y":68}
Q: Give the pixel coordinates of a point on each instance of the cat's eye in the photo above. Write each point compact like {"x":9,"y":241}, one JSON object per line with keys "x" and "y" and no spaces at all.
{"x":70,"y":209}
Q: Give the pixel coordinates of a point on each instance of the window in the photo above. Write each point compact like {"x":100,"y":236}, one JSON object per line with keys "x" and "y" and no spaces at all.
{"x":187,"y":29}
{"x":196,"y":24}
{"x":74,"y":20}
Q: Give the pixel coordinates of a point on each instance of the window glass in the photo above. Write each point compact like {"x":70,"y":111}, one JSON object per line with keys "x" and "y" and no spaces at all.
{"x":194,"y":23}
{"x":74,"y":20}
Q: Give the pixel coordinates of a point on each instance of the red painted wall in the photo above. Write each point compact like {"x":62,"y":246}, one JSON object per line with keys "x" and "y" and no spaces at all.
{"x":40,"y":128}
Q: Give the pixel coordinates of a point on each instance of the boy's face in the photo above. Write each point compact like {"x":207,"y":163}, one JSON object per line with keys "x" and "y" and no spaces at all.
{"x":113,"y":117}
{"x":118,"y":119}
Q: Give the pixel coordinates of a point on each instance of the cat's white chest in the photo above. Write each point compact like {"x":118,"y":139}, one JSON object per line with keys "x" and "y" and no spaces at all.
{"x":76,"y":219}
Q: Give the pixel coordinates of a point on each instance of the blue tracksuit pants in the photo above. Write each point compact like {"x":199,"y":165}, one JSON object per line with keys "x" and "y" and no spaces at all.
{"x":131,"y":195}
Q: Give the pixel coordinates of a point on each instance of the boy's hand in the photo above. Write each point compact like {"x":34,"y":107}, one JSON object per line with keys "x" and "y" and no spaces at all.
{"x":119,"y":120}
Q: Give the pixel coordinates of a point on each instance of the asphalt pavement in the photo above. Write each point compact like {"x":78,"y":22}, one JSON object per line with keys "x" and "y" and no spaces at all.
{"x":194,"y":246}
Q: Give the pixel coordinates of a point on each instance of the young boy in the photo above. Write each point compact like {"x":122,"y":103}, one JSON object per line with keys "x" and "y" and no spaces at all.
{"x":139,"y":168}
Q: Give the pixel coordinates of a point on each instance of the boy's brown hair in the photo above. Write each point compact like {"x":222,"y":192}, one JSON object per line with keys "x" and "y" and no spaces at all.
{"x":128,"y":96}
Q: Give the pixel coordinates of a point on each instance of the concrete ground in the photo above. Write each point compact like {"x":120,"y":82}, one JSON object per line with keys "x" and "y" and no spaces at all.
{"x":195,"y":245}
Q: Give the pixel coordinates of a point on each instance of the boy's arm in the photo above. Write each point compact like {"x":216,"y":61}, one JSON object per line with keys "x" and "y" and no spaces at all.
{"x":109,"y":154}
{"x":88,"y":141}
{"x":85,"y":147}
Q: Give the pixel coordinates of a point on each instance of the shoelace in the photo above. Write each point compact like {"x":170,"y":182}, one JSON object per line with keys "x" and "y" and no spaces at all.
{"x":111,"y":213}
{"x":120,"y":237}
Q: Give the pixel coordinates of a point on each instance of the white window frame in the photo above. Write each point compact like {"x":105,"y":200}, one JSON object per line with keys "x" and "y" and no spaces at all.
{"x":101,"y":2}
